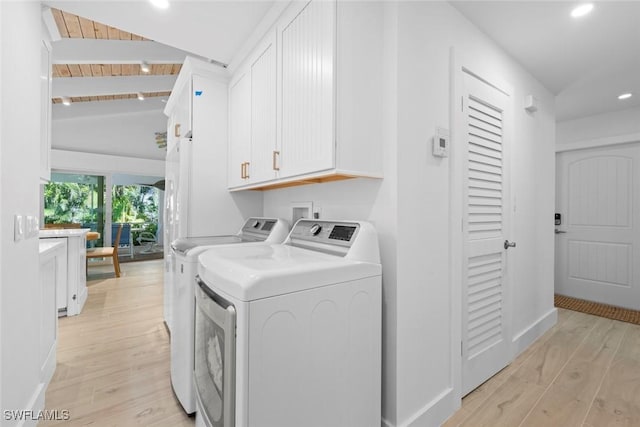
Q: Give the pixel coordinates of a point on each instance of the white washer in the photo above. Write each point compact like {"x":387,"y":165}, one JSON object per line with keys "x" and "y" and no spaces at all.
{"x":255,"y":231}
{"x":289,"y":335}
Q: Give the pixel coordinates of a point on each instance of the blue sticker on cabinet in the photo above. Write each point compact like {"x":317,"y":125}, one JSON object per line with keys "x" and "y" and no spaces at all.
{"x":198,"y":92}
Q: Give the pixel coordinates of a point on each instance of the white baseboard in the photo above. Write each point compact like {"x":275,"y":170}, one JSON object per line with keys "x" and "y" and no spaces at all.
{"x":433,"y":414}
{"x":527,"y":336}
{"x":49,"y":366}
{"x":35,"y":405}
{"x":82,"y":299}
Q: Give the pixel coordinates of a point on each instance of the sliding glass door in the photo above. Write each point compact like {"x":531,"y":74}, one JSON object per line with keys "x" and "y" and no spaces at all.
{"x":101,"y":202}
{"x":75,"y":200}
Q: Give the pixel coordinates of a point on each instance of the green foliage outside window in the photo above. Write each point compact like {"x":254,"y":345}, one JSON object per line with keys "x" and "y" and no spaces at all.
{"x":67,"y":202}
{"x":136,"y":204}
{"x":71,"y":202}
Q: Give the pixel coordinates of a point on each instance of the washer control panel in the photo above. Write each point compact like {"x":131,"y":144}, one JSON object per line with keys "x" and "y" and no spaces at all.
{"x":258,"y":228}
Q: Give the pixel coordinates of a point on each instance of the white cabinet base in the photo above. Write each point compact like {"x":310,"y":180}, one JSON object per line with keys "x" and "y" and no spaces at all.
{"x":73,"y":293}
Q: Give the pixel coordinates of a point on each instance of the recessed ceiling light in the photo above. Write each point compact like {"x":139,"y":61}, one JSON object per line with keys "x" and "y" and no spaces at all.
{"x":582,"y":10}
{"x":160,"y":4}
{"x":66,"y":101}
{"x":145,"y":67}
{"x":140,"y":96}
{"x":625,"y":96}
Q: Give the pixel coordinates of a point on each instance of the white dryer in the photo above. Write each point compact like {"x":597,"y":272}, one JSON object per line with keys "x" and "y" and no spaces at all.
{"x":289,"y":335}
{"x":185,"y":251}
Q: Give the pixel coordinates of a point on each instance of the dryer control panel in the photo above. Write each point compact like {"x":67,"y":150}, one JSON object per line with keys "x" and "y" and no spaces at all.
{"x":334,"y":237}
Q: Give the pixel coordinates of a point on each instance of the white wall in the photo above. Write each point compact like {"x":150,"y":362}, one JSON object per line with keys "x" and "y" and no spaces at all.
{"x":20,"y":24}
{"x":427,"y":31}
{"x":126,"y":135}
{"x":602,"y":129}
{"x":77,"y":161}
{"x":411,"y":208}
{"x":2,"y":214}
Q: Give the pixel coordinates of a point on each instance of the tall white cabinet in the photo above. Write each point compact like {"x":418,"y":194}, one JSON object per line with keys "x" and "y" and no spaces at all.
{"x":305,"y":105}
{"x":197,"y":201}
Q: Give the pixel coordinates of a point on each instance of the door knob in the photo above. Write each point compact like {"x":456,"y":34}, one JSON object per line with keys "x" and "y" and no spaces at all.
{"x":560,"y":231}
{"x":508,"y":244}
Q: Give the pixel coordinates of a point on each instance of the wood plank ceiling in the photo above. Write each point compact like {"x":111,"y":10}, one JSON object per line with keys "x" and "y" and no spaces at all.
{"x":74,"y":26}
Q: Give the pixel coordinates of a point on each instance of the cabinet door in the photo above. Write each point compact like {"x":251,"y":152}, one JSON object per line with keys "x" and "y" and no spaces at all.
{"x":263,"y":113}
{"x":307,"y":43}
{"x":181,"y":114}
{"x":239,"y":130}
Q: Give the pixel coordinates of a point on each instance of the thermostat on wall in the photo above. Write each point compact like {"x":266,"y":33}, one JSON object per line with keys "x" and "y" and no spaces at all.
{"x":441,"y":143}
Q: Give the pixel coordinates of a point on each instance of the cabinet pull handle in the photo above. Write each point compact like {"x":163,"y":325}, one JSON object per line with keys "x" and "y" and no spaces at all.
{"x":275,"y":166}
{"x":241,"y":170}
{"x":176,"y":130}
{"x":246,"y":171}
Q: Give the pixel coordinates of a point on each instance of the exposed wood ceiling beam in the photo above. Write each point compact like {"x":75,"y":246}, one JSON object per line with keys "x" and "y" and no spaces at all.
{"x":106,"y":70}
{"x":118,"y":85}
{"x":99,"y":51}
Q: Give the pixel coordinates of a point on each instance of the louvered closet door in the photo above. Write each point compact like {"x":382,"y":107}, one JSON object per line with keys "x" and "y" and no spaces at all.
{"x":485,"y":347}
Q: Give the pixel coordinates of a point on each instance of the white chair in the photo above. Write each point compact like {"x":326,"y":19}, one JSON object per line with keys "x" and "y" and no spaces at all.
{"x":148,"y":239}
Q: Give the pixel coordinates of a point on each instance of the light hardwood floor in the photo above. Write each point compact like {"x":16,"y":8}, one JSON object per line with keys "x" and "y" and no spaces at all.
{"x":113,"y":366}
{"x":584,"y":372}
{"x":113,"y":359}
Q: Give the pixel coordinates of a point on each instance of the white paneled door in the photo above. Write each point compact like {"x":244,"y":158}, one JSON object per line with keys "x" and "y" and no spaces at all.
{"x":485,"y":347}
{"x":598,"y":239}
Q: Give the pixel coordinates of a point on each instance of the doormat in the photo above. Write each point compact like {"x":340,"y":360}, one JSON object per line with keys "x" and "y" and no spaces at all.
{"x":597,"y":309}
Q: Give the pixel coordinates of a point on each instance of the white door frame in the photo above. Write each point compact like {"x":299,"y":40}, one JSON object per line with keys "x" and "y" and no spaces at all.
{"x":459,"y":65}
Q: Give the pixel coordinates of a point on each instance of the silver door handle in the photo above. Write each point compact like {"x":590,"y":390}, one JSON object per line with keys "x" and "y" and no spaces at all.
{"x":560,"y":231}
{"x":508,"y":244}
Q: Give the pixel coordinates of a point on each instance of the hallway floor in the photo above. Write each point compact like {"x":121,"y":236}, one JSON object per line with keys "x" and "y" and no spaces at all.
{"x":113,"y":366}
{"x":584,"y":372}
{"x":113,"y":358}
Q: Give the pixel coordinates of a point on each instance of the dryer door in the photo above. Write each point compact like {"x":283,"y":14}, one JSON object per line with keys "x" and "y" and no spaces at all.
{"x":215,"y":347}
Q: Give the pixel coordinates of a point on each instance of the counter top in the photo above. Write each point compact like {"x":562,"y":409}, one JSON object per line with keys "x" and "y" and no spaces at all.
{"x":64,"y":232}
{"x":48,"y":246}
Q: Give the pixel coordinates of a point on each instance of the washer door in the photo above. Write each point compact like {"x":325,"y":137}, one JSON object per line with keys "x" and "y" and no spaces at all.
{"x":215,"y":347}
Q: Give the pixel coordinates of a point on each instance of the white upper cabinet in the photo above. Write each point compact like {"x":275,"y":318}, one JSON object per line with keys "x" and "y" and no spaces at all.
{"x":239,"y":130}
{"x":315,"y":103}
{"x":190,"y":108}
{"x":307,"y":87}
{"x":179,"y":122}
{"x":252,"y":118}
{"x":264,"y":155}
